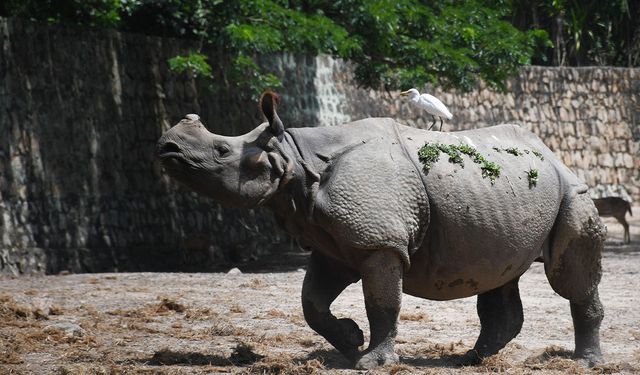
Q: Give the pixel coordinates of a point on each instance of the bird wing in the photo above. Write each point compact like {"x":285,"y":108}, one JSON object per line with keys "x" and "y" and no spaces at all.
{"x":434,"y":106}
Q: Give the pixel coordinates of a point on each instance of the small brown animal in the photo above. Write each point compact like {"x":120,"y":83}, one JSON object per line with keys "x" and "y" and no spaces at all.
{"x":615,"y":207}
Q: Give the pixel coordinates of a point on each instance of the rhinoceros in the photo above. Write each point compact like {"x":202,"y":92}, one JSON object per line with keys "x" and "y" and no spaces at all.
{"x":435,"y":215}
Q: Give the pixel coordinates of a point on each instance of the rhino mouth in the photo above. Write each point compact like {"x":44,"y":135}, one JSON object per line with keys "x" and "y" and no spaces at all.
{"x":172,"y":159}
{"x":169,"y":150}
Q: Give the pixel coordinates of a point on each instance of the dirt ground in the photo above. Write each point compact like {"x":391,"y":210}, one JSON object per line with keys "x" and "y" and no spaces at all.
{"x":252,"y":322}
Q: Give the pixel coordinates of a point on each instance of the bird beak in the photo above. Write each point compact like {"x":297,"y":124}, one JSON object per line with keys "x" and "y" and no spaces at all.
{"x":404,"y":93}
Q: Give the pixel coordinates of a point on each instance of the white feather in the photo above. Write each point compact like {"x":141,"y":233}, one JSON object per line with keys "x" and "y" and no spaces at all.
{"x":429,"y":103}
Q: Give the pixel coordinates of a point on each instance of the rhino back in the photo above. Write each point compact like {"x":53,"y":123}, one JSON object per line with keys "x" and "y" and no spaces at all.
{"x":483,"y":234}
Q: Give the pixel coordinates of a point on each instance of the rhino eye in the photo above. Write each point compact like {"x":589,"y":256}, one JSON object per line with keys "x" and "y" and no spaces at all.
{"x":222,"y":150}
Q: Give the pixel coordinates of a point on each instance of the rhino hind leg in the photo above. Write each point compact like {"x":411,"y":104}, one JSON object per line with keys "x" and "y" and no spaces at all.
{"x":501,"y":317}
{"x":587,"y":315}
{"x":573,"y":268}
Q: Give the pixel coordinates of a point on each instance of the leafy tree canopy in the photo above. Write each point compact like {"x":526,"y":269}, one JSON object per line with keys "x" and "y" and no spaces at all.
{"x":393,"y":43}
{"x":584,"y":32}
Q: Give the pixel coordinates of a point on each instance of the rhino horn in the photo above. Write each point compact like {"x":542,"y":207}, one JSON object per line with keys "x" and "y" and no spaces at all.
{"x":269,"y":101}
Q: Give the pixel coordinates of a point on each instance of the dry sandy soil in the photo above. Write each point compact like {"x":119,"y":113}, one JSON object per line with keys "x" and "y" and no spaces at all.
{"x":252,"y":323}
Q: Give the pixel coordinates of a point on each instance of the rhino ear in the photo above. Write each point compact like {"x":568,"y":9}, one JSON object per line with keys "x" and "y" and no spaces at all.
{"x":269,"y":100}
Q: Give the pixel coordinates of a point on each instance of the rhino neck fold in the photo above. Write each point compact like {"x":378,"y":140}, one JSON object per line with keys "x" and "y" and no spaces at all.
{"x":298,"y":197}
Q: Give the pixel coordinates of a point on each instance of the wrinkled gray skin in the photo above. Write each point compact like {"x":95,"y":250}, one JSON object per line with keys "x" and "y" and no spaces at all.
{"x":356,"y":196}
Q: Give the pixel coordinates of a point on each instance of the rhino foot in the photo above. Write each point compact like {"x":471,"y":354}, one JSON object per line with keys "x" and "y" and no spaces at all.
{"x":350,"y":338}
{"x":353,"y":333}
{"x":377,"y":358}
{"x":470,"y":358}
{"x":588,"y":360}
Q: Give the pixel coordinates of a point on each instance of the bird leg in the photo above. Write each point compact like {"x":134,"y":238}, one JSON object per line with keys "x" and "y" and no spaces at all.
{"x":433,"y":123}
{"x":440,"y":123}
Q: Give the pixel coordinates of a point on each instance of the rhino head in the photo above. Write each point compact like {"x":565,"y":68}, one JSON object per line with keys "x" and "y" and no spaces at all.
{"x":243,"y":171}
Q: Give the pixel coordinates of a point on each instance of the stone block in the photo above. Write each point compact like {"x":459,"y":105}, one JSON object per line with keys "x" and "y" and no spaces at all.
{"x":621,"y":130}
{"x":618,"y":145}
{"x":618,"y":160}
{"x":629,"y":161}
{"x":605,"y":160}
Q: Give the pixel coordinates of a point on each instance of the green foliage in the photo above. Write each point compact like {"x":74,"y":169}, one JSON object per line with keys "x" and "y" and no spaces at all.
{"x":532,"y":176}
{"x":247,"y":75}
{"x":538,"y":154}
{"x":513,"y":151}
{"x":430,"y":153}
{"x":195,"y":64}
{"x":468,"y":150}
{"x":395,"y":44}
{"x":516,"y":152}
{"x":453,"y":152}
{"x":584,"y":32}
{"x":100,"y":13}
{"x":491,"y":170}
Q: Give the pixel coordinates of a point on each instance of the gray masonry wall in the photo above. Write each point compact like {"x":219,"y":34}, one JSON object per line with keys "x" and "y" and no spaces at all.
{"x":80,"y":190}
{"x":589,"y":116}
{"x":81,"y":110}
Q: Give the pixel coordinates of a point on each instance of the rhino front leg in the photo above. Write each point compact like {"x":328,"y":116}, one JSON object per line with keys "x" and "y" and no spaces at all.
{"x":382,"y":287}
{"x":324,"y":281}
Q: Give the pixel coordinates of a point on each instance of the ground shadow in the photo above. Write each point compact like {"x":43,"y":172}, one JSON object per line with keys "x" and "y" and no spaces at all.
{"x":444,"y":361}
{"x":242,"y":355}
{"x":278,"y":262}
{"x":547,"y":355}
{"x":619,"y":247}
{"x":169,"y":357}
{"x":331,"y":359}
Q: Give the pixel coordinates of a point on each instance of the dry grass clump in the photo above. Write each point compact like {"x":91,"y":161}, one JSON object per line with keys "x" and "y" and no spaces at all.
{"x":11,"y":310}
{"x":307,"y":343}
{"x":166,"y":306}
{"x":401,"y":368}
{"x":82,"y":368}
{"x":237,"y":309}
{"x":273,"y":313}
{"x":56,"y":310}
{"x":615,"y":368}
{"x":224,"y":327}
{"x":554,"y":358}
{"x":254,"y":284}
{"x":414,"y":317}
{"x":497,"y":363}
{"x":565,"y":365}
{"x":284,"y":364}
{"x":200,"y":313}
{"x":169,"y":304}
{"x":441,"y":350}
{"x":9,"y":353}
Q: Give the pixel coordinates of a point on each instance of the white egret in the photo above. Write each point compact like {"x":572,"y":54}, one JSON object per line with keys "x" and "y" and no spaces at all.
{"x":429,"y":103}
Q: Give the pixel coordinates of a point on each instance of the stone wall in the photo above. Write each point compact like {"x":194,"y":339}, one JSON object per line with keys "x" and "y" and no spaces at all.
{"x":81,"y":110}
{"x":80,"y":189}
{"x":589,"y":116}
